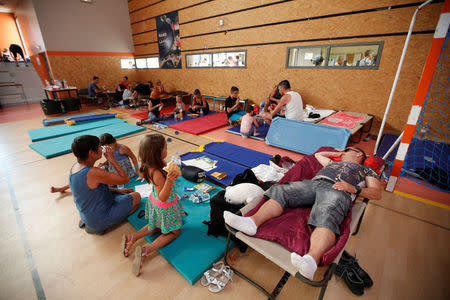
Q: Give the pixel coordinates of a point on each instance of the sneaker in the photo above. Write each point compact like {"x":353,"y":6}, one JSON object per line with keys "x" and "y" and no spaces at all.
{"x":353,"y":281}
{"x":353,"y":262}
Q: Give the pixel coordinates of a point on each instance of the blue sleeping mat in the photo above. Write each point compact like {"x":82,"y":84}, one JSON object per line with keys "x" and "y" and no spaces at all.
{"x":58,"y":120}
{"x":64,"y":129}
{"x":193,"y":251}
{"x":304,"y":137}
{"x":223,"y":165}
{"x":186,"y":117}
{"x":77,"y":119}
{"x":237,"y":154}
{"x":61,"y":145}
{"x":261,"y":130}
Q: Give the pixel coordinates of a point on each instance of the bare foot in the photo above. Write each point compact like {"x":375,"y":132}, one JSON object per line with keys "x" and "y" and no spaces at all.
{"x":139,"y":256}
{"x":59,"y":189}
{"x":126,"y":244}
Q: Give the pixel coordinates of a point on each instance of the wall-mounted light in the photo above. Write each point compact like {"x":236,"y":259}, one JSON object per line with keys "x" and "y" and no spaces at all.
{"x":86,"y":1}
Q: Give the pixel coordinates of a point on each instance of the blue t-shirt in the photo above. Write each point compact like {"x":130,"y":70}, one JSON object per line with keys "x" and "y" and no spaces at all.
{"x":91,"y":89}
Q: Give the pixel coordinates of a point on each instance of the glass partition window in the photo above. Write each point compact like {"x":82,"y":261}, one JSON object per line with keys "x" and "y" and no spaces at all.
{"x":349,"y":56}
{"x":141,"y":63}
{"x":307,"y":56}
{"x":153,"y":62}
{"x":354,"y":56}
{"x":233,"y":59}
{"x":127,"y":63}
{"x":199,"y":60}
{"x":229,"y":59}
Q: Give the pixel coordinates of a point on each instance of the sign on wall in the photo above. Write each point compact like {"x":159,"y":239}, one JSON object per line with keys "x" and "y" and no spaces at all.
{"x":168,"y":30}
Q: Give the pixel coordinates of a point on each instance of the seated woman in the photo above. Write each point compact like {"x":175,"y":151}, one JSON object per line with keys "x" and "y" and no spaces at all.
{"x":199,"y":104}
{"x":100,"y":207}
{"x":154,"y":108}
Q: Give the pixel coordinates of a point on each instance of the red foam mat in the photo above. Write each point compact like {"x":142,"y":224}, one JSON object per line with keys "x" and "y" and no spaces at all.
{"x":140,"y":115}
{"x":203,"y":124}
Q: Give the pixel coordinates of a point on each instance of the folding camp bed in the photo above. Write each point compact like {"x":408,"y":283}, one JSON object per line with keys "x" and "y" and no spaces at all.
{"x":282,"y":257}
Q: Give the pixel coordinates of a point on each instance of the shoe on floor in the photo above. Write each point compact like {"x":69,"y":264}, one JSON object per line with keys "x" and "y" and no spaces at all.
{"x":353,"y":262}
{"x":93,"y":231}
{"x":353,"y":281}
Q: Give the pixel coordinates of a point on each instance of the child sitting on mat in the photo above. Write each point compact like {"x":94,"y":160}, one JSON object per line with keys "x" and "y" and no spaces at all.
{"x":180,"y":107}
{"x":122,"y":154}
{"x":232,"y":107}
{"x":154,"y":107}
{"x":163,"y":208}
{"x":248,"y":123}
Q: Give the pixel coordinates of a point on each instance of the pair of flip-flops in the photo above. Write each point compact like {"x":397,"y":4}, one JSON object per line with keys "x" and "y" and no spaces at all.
{"x":217,"y":278}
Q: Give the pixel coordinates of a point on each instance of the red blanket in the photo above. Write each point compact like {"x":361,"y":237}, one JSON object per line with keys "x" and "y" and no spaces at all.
{"x":291,"y":228}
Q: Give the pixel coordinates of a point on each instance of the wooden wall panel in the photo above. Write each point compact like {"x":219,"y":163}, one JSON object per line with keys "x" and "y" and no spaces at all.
{"x":379,"y":22}
{"x":356,"y":90}
{"x":146,"y":49}
{"x":143,"y":26}
{"x":161,"y":8}
{"x":79,"y":70}
{"x":145,"y":38}
{"x":136,"y":4}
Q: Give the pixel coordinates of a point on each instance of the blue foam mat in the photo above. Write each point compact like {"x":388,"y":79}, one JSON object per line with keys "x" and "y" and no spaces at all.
{"x":223,"y":165}
{"x":57,"y":120}
{"x":304,"y":137}
{"x":64,"y":129}
{"x":91,"y":118}
{"x":261,"y":130}
{"x":61,"y":145}
{"x":186,"y":117}
{"x":240,"y":155}
{"x":193,"y":251}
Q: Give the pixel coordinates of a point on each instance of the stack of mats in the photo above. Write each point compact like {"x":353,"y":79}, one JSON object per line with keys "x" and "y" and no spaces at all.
{"x":202,"y":124}
{"x":59,"y":120}
{"x":261,"y":130}
{"x":231,"y":159}
{"x":193,"y":251}
{"x":62,"y":144}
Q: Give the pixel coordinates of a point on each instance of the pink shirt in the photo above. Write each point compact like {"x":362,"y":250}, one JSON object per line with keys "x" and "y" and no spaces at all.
{"x":246,"y":123}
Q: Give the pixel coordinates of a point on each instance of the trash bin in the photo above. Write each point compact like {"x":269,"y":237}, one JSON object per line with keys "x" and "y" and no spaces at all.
{"x":71,"y":104}
{"x":51,"y":107}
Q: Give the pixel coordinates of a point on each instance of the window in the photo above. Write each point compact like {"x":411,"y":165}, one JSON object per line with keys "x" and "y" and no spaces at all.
{"x":127,"y":63}
{"x":199,"y":60}
{"x":153,"y":62}
{"x":232,"y":59}
{"x":140,"y":63}
{"x":347,"y":56}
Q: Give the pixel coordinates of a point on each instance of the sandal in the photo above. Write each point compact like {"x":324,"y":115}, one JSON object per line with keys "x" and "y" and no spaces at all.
{"x":219,"y":283}
{"x":139,"y":256}
{"x":210,"y":275}
{"x":124,"y":245}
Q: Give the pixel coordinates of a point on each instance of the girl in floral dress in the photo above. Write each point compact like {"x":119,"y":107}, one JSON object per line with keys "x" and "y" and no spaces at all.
{"x":163,"y":208}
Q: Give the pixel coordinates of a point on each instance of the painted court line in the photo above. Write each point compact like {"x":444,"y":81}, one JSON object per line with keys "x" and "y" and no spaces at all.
{"x":423,"y":200}
{"x":23,"y":235}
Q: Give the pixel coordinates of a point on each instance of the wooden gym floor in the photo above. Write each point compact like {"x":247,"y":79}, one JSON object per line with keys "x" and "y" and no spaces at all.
{"x":403,"y":244}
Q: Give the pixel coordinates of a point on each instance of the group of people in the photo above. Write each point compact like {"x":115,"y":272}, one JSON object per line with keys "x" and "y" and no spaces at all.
{"x":102,"y":205}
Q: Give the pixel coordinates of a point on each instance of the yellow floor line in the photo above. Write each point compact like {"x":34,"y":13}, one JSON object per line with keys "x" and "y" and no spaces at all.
{"x":423,"y":200}
{"x":210,"y":138}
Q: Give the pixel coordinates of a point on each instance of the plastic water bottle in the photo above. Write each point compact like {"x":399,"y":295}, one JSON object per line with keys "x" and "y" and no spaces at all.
{"x":176,"y":159}
{"x":201,"y":112}
{"x":47,"y":84}
{"x":174,"y":115}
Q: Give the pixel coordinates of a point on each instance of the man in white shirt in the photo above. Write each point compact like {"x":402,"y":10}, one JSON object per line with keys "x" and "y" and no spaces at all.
{"x":291,"y":102}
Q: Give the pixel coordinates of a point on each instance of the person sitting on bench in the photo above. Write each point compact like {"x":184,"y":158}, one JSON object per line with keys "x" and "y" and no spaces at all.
{"x":330,"y":193}
{"x":291,"y":101}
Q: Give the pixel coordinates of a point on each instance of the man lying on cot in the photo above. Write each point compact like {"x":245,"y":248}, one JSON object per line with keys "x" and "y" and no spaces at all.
{"x":330,"y":193}
{"x":290,"y":101}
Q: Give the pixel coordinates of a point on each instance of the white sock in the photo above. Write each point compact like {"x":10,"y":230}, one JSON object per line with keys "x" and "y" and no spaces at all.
{"x":244,"y":224}
{"x":306,"y":265}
